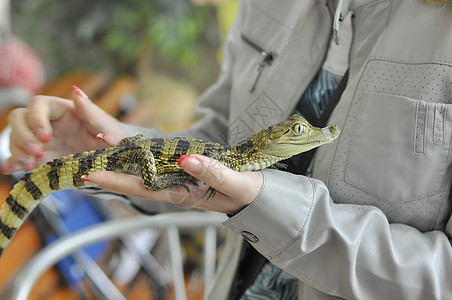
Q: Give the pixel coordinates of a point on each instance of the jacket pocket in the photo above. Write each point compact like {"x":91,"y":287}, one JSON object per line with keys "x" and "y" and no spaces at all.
{"x":267,"y":60}
{"x":399,"y":154}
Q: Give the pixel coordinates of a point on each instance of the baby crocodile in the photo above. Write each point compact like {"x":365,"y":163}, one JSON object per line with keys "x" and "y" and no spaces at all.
{"x":155,"y":161}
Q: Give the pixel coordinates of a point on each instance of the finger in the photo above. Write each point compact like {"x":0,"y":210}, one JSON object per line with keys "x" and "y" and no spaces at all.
{"x":41,"y":111}
{"x":131,"y":185}
{"x":113,"y":181}
{"x":213,"y":173}
{"x":96,"y":118}
{"x":23,"y":142}
{"x":110,"y":139}
{"x":127,"y":185}
{"x":10,"y":166}
{"x":19,"y":154}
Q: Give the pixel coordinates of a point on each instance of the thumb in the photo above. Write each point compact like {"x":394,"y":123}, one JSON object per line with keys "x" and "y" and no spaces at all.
{"x":213,"y":173}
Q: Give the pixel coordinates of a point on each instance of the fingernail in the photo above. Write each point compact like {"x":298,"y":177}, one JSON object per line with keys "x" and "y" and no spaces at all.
{"x":40,"y":153}
{"x":29,"y":167}
{"x":100,"y":136}
{"x":45,"y":137}
{"x":85,"y":178}
{"x":191,"y":165}
{"x":79,"y":92}
{"x":181,"y":159}
{"x":35,"y":148}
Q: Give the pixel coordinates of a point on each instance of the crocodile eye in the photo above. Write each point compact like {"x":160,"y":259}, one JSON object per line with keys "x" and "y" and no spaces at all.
{"x":299,"y":128}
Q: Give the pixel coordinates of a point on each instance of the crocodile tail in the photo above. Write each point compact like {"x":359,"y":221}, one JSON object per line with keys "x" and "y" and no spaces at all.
{"x":31,"y":190}
{"x":22,"y":200}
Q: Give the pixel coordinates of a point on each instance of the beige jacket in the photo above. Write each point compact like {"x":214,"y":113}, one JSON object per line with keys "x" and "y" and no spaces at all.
{"x":375,"y":223}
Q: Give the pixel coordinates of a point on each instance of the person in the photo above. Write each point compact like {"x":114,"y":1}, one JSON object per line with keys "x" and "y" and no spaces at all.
{"x":22,"y":72}
{"x":373,"y":220}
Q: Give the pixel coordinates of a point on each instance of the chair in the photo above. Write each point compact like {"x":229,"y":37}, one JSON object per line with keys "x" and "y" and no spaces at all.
{"x":169,"y":222}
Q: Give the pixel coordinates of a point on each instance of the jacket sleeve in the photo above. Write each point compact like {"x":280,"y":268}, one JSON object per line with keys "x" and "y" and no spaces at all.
{"x":346,"y":250}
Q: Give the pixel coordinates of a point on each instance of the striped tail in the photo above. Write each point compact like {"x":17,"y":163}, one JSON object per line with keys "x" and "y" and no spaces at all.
{"x":61,"y":174}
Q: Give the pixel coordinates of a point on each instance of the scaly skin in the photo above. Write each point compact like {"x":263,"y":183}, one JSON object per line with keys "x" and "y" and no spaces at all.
{"x":155,"y":161}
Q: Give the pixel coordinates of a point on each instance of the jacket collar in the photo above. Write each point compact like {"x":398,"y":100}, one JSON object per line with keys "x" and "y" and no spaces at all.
{"x":342,"y":10}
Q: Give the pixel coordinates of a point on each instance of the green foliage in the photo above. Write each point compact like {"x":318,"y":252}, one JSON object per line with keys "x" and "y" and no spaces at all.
{"x":120,"y":27}
{"x":176,"y":37}
{"x":173,"y":29}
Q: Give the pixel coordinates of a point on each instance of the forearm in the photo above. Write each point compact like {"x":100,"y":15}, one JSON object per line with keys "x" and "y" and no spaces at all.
{"x":323,"y":243}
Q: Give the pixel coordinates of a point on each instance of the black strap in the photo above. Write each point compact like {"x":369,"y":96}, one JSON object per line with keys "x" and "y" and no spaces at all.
{"x":306,"y":158}
{"x":251,"y":262}
{"x":249,"y":266}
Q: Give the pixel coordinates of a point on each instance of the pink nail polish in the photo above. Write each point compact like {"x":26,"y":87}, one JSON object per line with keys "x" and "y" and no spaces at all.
{"x":29,"y":167}
{"x":79,"y":92}
{"x":40,"y":153}
{"x":182,"y":158}
{"x":100,"y":136}
{"x":43,"y":135}
{"x":47,"y":138}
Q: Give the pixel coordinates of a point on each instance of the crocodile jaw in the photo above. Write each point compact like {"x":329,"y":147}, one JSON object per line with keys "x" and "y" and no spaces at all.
{"x":302,"y":143}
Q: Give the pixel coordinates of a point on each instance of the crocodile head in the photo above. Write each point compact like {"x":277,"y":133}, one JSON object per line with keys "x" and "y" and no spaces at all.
{"x":295,"y":136}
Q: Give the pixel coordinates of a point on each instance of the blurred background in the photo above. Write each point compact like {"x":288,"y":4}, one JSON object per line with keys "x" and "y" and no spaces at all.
{"x":146,"y":63}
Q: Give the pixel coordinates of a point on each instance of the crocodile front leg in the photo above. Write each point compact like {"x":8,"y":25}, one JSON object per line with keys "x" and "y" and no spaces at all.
{"x":138,"y":161}
{"x":164,"y":181}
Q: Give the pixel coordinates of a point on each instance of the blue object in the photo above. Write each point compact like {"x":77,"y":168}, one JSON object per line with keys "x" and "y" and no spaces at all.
{"x":76,"y":212}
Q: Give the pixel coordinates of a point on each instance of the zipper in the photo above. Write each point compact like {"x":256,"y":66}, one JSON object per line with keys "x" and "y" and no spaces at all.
{"x":267,"y":60}
{"x":352,"y":40}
